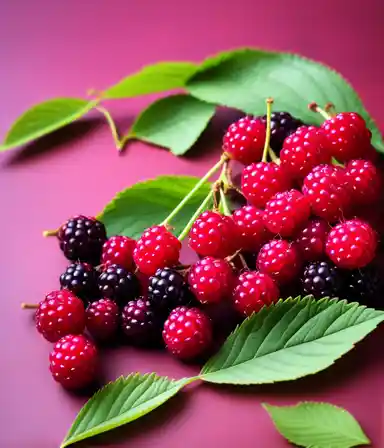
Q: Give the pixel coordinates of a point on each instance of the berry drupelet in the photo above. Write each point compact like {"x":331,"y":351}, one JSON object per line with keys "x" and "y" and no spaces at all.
{"x":118,"y":284}
{"x":155,"y":249}
{"x":59,"y":314}
{"x":310,"y":240}
{"x":102,"y":319}
{"x":81,"y":279}
{"x":81,"y":238}
{"x":364,"y":181}
{"x":118,"y":250}
{"x":364,"y":286}
{"x":251,"y":228}
{"x":322,"y":279}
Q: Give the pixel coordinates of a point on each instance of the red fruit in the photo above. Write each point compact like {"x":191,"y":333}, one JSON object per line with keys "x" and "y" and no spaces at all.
{"x":364,"y":181}
{"x":303,"y":150}
{"x":244,"y":140}
{"x":213,"y":234}
{"x":310,"y":241}
{"x":73,"y":361}
{"x":102,"y":319}
{"x":286,"y":212}
{"x":351,"y":244}
{"x":279,"y":259}
{"x":260,"y":181}
{"x":187,"y":332}
{"x":156,"y":249}
{"x":253,"y":291}
{"x":251,"y":228}
{"x":348,"y":135}
{"x":325,"y":188}
{"x":59,"y":314}
{"x":118,"y":250}
{"x":211,"y":279}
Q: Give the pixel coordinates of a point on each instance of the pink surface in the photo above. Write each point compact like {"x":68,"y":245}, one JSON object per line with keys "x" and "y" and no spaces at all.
{"x":50,"y":49}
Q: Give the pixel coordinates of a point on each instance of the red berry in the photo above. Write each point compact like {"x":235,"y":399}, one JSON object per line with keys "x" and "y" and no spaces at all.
{"x":251,"y":228}
{"x":211,"y":279}
{"x":351,"y":244}
{"x":187,"y":332}
{"x":286,"y":212}
{"x":325,"y":187}
{"x":303,"y":150}
{"x":102,"y":319}
{"x":156,"y":249}
{"x":213,"y":234}
{"x":279,"y":259}
{"x":59,"y":314}
{"x":244,"y":140}
{"x":118,"y":250}
{"x":253,"y":291}
{"x":310,"y":241}
{"x":364,"y":181}
{"x":73,"y":361}
{"x":348,"y":135}
{"x":260,"y":181}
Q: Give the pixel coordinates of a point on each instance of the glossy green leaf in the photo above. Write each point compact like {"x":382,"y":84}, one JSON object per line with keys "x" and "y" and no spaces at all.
{"x":45,"y":118}
{"x":289,"y":340}
{"x":148,"y":203}
{"x":154,"y":78}
{"x":174,"y":122}
{"x":244,"y":78}
{"x":317,"y":425}
{"x":121,"y":402}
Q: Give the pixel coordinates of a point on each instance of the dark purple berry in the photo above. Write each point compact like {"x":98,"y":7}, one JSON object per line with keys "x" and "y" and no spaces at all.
{"x":364,"y":286}
{"x":81,"y":279}
{"x":322,"y":279}
{"x":118,"y":284}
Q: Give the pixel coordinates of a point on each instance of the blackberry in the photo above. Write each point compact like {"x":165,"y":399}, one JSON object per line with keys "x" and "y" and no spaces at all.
{"x":167,"y":290}
{"x":118,"y":284}
{"x":140,"y":324}
{"x":322,"y":279}
{"x":363,"y":286}
{"x":283,"y":124}
{"x":81,"y":239}
{"x":81,"y":279}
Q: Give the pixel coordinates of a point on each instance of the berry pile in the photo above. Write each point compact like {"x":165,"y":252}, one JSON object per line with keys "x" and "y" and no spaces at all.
{"x":303,"y":226}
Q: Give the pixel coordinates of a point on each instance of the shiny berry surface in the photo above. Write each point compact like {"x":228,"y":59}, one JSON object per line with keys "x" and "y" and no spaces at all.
{"x":118,"y":250}
{"x":251,"y":228}
{"x":81,"y":279}
{"x":322,"y":279}
{"x":118,"y":284}
{"x":310,"y":240}
{"x":102,"y":319}
{"x":364,"y":181}
{"x":283,"y":124}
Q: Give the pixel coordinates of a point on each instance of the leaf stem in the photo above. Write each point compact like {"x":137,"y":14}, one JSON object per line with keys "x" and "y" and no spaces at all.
{"x":194,"y":190}
{"x":112,"y":125}
{"x":269,"y":102}
{"x":187,"y":228}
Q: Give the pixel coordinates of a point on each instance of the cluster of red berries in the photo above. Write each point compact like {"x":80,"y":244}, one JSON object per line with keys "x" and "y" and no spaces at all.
{"x":303,"y":225}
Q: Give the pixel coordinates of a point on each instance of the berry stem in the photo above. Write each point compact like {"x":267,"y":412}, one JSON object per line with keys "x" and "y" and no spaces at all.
{"x":330,"y":109}
{"x":224,"y":203}
{"x":273,"y":156}
{"x":269,"y":102}
{"x":29,"y":306}
{"x":202,"y":207}
{"x":197,"y":187}
{"x":315,"y":108}
{"x":47,"y":233}
{"x":112,"y":125}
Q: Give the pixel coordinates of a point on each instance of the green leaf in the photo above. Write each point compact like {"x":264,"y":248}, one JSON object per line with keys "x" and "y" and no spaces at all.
{"x":149,"y":203}
{"x":317,"y":425}
{"x":289,"y":340}
{"x":45,"y":118}
{"x":174,"y":122}
{"x":154,"y":78}
{"x":121,"y":402}
{"x":244,"y":78}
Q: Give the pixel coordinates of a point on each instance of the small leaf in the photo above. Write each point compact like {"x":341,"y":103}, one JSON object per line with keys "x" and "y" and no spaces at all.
{"x":317,"y":425}
{"x":149,"y":203}
{"x":45,"y":118}
{"x":174,"y":122}
{"x":154,"y":78}
{"x":243,"y":78}
{"x":289,"y":340}
{"x":121,"y":402}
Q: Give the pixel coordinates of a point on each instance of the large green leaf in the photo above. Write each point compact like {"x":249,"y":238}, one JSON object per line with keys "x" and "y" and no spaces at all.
{"x":45,"y":118}
{"x":150,"y":202}
{"x":174,"y":122}
{"x":317,"y":425}
{"x":121,"y":402}
{"x":154,"y":78}
{"x":243,"y":78}
{"x":289,"y":340}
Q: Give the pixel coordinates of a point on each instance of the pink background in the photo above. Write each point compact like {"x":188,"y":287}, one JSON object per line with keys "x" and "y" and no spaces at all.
{"x":52,"y":48}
